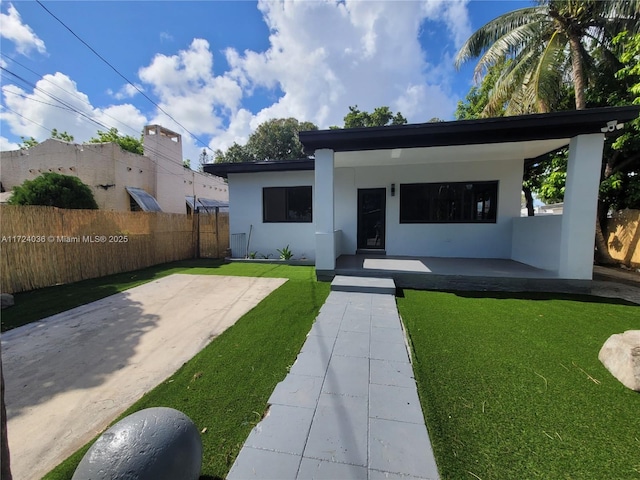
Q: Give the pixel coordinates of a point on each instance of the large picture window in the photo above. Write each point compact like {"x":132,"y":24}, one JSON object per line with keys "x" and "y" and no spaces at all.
{"x":459,"y":202}
{"x":287,"y":204}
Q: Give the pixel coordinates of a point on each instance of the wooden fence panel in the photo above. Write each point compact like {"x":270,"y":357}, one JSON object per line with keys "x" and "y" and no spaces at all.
{"x":44,"y":246}
{"x":214,"y":234}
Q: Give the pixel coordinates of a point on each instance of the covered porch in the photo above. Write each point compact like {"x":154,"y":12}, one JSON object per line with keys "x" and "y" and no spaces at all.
{"x":491,"y":250}
{"x":468,"y":274}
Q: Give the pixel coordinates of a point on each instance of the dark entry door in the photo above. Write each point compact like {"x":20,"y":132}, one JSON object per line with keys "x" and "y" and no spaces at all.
{"x":371,"y":218}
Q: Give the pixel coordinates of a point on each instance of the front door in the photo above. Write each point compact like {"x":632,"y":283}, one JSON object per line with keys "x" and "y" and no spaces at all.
{"x":371,"y":218}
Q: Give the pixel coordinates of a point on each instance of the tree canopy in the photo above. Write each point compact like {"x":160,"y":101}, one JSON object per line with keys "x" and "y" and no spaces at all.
{"x":275,"y":139}
{"x":55,"y":134}
{"x":54,"y":190}
{"x":126,"y":142}
{"x":380,"y":117}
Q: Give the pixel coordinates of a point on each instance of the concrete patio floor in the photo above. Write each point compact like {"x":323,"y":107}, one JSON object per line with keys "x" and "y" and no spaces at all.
{"x":349,"y":407}
{"x":67,"y":377}
{"x":461,"y":274}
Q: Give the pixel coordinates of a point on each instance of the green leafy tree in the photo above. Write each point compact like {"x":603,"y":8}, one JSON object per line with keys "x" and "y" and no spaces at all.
{"x":275,"y":139}
{"x":126,"y":142}
{"x":32,"y":142}
{"x":475,"y":103}
{"x":547,"y":44}
{"x":64,"y":136}
{"x":380,"y":117}
{"x":28,"y":143}
{"x":236,"y":153}
{"x":621,"y":185}
{"x":54,"y":190}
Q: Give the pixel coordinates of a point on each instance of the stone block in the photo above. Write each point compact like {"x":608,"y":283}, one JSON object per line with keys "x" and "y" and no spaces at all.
{"x":152,"y":444}
{"x":621,"y":355}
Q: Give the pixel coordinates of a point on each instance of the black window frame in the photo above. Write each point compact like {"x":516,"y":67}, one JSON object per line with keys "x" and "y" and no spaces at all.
{"x":449,"y":202}
{"x":289,"y":196}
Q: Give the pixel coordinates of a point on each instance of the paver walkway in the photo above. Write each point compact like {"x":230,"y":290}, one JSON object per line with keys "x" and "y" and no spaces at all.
{"x":349,"y":407}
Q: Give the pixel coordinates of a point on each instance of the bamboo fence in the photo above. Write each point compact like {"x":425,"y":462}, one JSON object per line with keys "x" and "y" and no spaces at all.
{"x":44,"y":246}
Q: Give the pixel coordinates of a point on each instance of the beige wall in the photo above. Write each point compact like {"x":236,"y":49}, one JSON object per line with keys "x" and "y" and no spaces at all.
{"x":108,"y":169}
{"x":203,"y":186}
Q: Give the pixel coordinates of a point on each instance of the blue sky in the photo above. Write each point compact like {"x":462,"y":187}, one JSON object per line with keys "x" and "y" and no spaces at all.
{"x":217,"y":69}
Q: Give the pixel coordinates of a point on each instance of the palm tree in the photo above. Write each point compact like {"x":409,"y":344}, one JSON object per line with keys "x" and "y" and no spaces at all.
{"x":544,"y":48}
{"x":549,"y":45}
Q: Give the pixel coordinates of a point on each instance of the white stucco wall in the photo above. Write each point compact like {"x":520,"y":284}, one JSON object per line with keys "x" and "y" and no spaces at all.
{"x":536,"y":239}
{"x":491,"y":240}
{"x":245,"y":209}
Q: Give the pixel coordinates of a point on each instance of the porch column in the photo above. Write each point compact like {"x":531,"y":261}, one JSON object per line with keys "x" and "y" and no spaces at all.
{"x":323,"y":212}
{"x":577,"y":236}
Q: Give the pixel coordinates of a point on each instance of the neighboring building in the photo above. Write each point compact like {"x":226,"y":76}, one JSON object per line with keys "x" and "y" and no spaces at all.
{"x":549,"y":209}
{"x":450,"y":189}
{"x":121,"y":180}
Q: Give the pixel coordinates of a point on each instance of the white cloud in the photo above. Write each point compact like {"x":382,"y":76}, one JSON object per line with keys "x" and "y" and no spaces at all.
{"x":189,"y":91}
{"x":166,"y":37}
{"x":238,"y":131}
{"x":127,"y":91}
{"x":323,"y":56}
{"x":6,"y":144}
{"x":57,"y":103}
{"x":19,"y":33}
{"x":327,"y":55}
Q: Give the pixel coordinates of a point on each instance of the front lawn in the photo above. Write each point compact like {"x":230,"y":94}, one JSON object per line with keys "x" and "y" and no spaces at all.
{"x":224,"y":389}
{"x":512,"y":388}
{"x":37,"y":304}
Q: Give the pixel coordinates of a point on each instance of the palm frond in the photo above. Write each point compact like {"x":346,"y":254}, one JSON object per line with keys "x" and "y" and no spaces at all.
{"x":485,"y":36}
{"x":546,"y":81}
{"x":513,"y":76}
{"x":514,"y":43}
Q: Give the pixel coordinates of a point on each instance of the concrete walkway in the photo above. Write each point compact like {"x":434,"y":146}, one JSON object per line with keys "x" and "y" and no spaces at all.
{"x":70,"y":375}
{"x":349,"y":407}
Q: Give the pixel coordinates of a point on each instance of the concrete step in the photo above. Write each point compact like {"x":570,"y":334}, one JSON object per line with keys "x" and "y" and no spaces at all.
{"x":342,"y":283}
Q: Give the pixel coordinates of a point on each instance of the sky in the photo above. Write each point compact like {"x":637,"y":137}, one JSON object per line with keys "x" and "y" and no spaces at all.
{"x":215,"y":70}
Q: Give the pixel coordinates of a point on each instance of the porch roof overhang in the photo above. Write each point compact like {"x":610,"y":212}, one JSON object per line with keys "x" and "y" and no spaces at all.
{"x":522,"y":128}
{"x":224,"y":169}
{"x":517,"y":138}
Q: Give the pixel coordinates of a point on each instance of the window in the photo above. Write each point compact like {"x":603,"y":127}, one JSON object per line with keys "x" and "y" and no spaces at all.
{"x":287,"y":204}
{"x":459,"y":202}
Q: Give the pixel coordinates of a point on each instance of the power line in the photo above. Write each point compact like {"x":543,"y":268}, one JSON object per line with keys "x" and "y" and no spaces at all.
{"x":155,"y":161}
{"x":122,"y":76}
{"x":72,"y":109}
{"x":73,"y":94}
{"x":35,"y":87}
{"x":36,"y":100}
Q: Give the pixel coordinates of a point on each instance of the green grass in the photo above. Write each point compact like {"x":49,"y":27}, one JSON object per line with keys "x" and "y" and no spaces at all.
{"x":41,"y":303}
{"x":226,"y":386}
{"x":512,"y":388}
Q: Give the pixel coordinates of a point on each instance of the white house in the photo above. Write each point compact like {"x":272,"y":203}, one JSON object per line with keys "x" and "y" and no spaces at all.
{"x":437,"y":190}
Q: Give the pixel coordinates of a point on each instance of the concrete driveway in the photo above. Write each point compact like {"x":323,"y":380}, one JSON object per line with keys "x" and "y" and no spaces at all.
{"x":68,"y":376}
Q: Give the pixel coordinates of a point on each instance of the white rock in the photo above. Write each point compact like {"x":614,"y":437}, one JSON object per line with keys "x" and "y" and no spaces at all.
{"x":621,"y":355}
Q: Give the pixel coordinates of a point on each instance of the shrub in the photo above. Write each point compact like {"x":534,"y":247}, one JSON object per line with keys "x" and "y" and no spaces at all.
{"x":54,"y":190}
